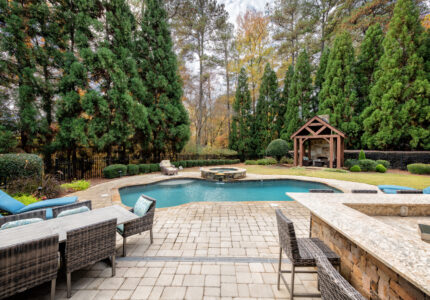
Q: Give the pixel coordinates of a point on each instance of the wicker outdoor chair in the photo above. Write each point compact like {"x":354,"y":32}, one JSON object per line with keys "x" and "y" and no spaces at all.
{"x":300,"y":252}
{"x":59,"y":209}
{"x":364,"y":191}
{"x":321,"y":191}
{"x":139,"y":225}
{"x":88,"y":245}
{"x":40,"y":213}
{"x":167,"y":168}
{"x":26,"y":265}
{"x":332,"y":285}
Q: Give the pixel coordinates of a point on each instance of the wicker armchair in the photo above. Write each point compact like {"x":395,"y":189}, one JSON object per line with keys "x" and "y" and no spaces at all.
{"x":167,"y":168}
{"x":140,"y":225}
{"x":300,"y":252}
{"x":88,"y":245}
{"x":40,"y":213}
{"x":364,"y":191}
{"x":27,"y":265}
{"x":332,"y":285}
{"x":59,"y":209}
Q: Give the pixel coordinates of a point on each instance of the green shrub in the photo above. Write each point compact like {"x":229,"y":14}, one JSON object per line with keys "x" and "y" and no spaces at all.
{"x":351,"y":162}
{"x":250,"y":162}
{"x":114,"y":171}
{"x":277,"y":148}
{"x":154,"y":167}
{"x":355,"y":168}
{"x":336,"y":170}
{"x":419,"y":168}
{"x":286,"y":160}
{"x":385,"y":163}
{"x":77,"y":185}
{"x":132,"y":169}
{"x":143,"y":168}
{"x":50,"y":187}
{"x":13,"y":166}
{"x":361,"y":155}
{"x":25,"y":198}
{"x":266,"y":161}
{"x":380,"y":168}
{"x":367,"y":165}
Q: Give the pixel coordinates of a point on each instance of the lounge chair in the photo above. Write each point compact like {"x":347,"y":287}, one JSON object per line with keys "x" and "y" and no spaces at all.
{"x":167,"y":168}
{"x":13,"y":206}
{"x":300,"y":252}
{"x":88,"y":245}
{"x":28,"y":264}
{"x":392,"y":189}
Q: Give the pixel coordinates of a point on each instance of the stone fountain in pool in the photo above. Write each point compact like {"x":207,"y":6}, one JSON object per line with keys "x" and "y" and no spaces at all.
{"x":224,"y":174}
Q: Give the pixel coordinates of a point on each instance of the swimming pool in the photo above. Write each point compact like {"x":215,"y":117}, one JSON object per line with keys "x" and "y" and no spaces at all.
{"x":180,"y":191}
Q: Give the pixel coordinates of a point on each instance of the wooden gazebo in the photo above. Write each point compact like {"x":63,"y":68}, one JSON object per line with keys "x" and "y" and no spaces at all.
{"x":318,"y":128}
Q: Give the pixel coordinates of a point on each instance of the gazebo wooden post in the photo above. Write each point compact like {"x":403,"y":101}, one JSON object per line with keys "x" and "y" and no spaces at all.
{"x":338,"y":155}
{"x":331,"y":153}
{"x":295,"y":152}
{"x":342,"y":144}
{"x":309,"y":149}
{"x":301,"y":152}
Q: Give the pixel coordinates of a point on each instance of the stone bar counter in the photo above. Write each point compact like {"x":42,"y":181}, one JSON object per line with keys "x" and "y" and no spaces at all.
{"x":376,"y":236}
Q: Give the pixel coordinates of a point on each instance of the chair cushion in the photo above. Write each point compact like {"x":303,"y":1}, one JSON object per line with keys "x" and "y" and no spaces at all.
{"x":120,"y":228}
{"x":49,"y":203}
{"x":17,"y":223}
{"x":307,"y":255}
{"x":142,"y":206}
{"x":73,"y":211}
{"x":426,"y":190}
{"x":392,"y":189}
{"x":9,"y":204}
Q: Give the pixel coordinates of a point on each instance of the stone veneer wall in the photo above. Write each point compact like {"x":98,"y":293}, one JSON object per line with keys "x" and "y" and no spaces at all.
{"x":370,"y":277}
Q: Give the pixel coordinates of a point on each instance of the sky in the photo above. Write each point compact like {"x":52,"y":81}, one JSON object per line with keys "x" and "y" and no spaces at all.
{"x":237,"y":7}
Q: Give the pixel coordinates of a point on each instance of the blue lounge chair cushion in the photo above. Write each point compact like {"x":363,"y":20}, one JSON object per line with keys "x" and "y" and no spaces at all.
{"x":17,"y":223}
{"x":426,"y":190}
{"x":73,"y":211}
{"x":392,"y":189}
{"x":49,"y":203}
{"x":142,"y":206}
{"x":120,"y":228}
{"x":10,"y":204}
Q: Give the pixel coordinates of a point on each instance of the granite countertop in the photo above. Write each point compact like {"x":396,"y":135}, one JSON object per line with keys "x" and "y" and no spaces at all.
{"x":404,"y":253}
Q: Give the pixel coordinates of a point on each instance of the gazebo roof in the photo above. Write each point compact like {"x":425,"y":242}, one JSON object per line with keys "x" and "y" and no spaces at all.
{"x":320,"y":125}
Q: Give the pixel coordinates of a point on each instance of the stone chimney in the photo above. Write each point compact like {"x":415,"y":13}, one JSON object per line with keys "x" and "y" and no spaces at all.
{"x":325,"y":118}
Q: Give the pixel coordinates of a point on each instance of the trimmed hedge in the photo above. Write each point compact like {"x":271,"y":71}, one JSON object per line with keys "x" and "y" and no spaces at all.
{"x":367,"y":165}
{"x":380,"y":168}
{"x":132,"y":169}
{"x":200,"y":163}
{"x":113,"y":171}
{"x":385,"y":163}
{"x":154,"y":167}
{"x":144,"y":168}
{"x":355,"y":168}
{"x":250,"y":162}
{"x":351,"y":162}
{"x":419,"y":168}
{"x":267,"y":161}
{"x":14,"y":166}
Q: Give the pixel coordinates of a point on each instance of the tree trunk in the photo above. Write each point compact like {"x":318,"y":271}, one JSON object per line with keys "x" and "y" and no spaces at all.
{"x":227,"y":78}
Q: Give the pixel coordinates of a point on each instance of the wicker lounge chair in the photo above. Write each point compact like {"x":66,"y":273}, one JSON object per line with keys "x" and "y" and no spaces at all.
{"x":167,"y":168}
{"x":88,"y":245}
{"x":41,"y":213}
{"x":140,"y":225}
{"x":59,"y":209}
{"x":27,"y":265}
{"x":300,"y":252}
{"x":332,"y":285}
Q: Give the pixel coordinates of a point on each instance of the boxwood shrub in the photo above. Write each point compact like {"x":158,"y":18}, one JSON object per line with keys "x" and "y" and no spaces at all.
{"x":154,"y":167}
{"x":367,"y":165}
{"x":355,"y":168}
{"x":380,"y":168}
{"x":114,"y":171}
{"x":385,"y":163}
{"x":419,"y":168}
{"x":144,"y":168}
{"x":351,"y":162}
{"x":132,"y":169}
{"x":14,"y":166}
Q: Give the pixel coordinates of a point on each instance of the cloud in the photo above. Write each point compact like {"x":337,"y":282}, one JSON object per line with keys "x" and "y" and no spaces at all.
{"x":237,"y":7}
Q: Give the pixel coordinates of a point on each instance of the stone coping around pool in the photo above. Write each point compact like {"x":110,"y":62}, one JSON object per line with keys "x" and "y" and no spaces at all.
{"x":107,"y":193}
{"x":405,"y":254}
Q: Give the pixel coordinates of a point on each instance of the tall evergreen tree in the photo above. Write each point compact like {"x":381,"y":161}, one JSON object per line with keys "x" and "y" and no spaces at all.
{"x":338,"y":97}
{"x":399,"y":114}
{"x":300,"y":107}
{"x":267,"y":105}
{"x":158,"y":69}
{"x":284,"y":98}
{"x":320,"y":75}
{"x":367,"y":62}
{"x":240,"y":133}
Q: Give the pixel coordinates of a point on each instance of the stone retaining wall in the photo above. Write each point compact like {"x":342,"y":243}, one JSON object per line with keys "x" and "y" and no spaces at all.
{"x":370,"y":277}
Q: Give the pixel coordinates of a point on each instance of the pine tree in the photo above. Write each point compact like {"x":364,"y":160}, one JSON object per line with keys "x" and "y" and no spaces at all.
{"x":242,"y":118}
{"x":367,"y":62}
{"x":300,"y":107}
{"x":158,"y":69}
{"x":399,"y":113}
{"x":338,"y":97}
{"x":267,"y":105}
{"x":284,"y":98}
{"x":320,"y":75}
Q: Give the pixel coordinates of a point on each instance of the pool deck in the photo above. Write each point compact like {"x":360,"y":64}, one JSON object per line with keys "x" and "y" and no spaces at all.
{"x":201,"y":250}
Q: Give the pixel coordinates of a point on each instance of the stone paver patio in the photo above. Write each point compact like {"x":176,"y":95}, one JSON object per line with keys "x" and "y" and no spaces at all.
{"x":220,"y":250}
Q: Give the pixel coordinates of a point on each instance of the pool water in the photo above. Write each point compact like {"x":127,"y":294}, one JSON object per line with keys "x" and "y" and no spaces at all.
{"x":176,"y":192}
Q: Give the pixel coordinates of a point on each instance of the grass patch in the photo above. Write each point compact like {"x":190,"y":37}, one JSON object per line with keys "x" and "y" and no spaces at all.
{"x":413,"y":181}
{"x":77,"y":185}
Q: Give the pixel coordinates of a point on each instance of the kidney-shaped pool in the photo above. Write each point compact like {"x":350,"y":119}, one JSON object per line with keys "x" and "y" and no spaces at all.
{"x":180,"y":191}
